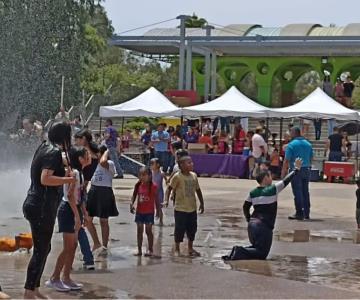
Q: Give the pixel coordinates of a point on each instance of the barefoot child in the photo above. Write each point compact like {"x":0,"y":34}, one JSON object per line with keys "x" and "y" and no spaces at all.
{"x":261,"y":222}
{"x":145,"y":193}
{"x":158,"y":179}
{"x":70,"y":223}
{"x":186,"y":186}
{"x":101,"y":200}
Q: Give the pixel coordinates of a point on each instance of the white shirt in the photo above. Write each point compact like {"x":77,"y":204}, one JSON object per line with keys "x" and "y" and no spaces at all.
{"x":103,"y":176}
{"x":77,"y":190}
{"x":257,"y":142}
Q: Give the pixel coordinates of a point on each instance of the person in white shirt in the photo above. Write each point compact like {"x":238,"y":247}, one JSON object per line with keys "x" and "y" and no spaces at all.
{"x":259,"y":146}
{"x":259,"y":150}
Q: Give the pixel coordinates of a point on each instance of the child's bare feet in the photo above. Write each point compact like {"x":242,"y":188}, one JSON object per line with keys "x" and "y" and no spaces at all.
{"x":39,"y":295}
{"x":149,"y":254}
{"x":137,"y":254}
{"x":28,"y":294}
{"x":194,"y":253}
{"x":5,"y":296}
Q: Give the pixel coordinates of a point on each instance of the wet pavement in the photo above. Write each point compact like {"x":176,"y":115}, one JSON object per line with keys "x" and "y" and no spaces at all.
{"x":327,"y":265}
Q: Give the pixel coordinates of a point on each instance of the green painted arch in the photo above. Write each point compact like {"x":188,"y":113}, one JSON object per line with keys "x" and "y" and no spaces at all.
{"x":274,"y":66}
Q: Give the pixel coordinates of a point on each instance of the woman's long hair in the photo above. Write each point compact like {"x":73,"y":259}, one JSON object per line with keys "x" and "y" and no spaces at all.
{"x":143,"y":170}
{"x":86,"y":133}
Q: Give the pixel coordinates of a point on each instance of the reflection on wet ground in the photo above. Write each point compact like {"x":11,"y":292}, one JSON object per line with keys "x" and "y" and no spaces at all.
{"x":219,"y":230}
{"x":316,"y":270}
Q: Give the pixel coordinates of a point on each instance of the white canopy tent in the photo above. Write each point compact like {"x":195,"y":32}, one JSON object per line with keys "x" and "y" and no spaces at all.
{"x":316,"y":105}
{"x":150,"y":103}
{"x":231,"y":104}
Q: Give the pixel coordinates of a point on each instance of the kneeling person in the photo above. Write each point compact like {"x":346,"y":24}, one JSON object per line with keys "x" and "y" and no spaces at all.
{"x":261,"y":222}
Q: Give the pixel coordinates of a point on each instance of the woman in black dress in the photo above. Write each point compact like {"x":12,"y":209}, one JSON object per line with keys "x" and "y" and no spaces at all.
{"x":43,"y":198}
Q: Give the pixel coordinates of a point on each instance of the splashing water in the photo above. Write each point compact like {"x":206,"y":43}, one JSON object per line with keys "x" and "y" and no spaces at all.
{"x":14,"y":183}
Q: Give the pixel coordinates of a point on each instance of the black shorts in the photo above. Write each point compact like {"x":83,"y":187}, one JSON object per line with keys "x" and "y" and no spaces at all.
{"x":185,"y":223}
{"x":66,"y":218}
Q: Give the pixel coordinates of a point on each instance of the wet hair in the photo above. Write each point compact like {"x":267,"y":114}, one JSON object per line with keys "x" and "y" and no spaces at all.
{"x":102,"y":149}
{"x":181,"y":153}
{"x":74,"y":154}
{"x":147,"y":171}
{"x":155,"y":161}
{"x":260,"y":177}
{"x":60,"y":133}
{"x":182,"y":160}
{"x":109,"y":121}
{"x":296,"y":130}
{"x":86,"y":133}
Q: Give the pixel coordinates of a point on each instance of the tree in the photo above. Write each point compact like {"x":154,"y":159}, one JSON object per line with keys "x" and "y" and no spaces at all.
{"x":195,"y":22}
{"x":41,"y":41}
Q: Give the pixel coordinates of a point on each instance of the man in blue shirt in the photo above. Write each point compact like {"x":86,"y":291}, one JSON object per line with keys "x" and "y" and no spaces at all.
{"x":299,"y":147}
{"x":161,"y":139}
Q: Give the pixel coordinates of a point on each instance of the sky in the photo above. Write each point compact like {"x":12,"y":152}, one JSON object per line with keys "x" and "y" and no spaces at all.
{"x":127,"y":15}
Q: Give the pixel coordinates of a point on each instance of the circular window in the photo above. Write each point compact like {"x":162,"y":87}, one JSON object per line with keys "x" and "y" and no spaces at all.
{"x":288,"y":75}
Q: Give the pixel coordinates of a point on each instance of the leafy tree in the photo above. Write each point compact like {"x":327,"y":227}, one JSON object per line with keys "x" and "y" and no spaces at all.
{"x":41,"y":41}
{"x":195,"y":22}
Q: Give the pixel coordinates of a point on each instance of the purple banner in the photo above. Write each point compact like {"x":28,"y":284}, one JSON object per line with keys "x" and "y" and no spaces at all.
{"x":221,"y":164}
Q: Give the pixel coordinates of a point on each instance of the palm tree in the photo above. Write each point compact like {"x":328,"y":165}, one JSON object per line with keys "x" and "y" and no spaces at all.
{"x":195,"y":22}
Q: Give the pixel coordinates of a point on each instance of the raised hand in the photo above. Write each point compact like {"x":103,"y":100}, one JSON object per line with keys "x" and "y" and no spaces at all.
{"x":298,"y":163}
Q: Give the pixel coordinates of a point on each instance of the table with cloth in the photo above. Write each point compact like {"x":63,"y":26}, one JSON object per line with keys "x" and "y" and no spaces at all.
{"x":221,"y":164}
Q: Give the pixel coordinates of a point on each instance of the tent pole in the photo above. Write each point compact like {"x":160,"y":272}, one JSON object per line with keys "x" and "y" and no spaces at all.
{"x":122,"y":127}
{"x":100,"y":129}
{"x":267,"y":132}
{"x":182,"y":135}
{"x":281,"y":134}
{"x":357,"y":148}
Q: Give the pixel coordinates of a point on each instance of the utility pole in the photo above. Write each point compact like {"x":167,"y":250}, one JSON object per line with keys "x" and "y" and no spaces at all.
{"x":207,"y":66}
{"x":182,"y":19}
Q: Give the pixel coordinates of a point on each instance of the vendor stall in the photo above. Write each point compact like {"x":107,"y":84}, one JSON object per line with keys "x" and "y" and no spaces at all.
{"x":221,"y":165}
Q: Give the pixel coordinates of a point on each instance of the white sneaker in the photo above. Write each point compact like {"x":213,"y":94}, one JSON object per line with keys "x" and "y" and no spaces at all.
{"x":57,"y":285}
{"x":74,"y":286}
{"x":89,"y":266}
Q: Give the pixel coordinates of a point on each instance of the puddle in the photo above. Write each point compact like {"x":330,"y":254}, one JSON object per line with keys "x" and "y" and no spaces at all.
{"x":338,"y":236}
{"x":123,"y":188}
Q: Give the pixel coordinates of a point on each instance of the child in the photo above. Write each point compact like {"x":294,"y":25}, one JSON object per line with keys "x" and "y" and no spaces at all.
{"x":261,"y":222}
{"x":358,"y":203}
{"x":145,"y":193}
{"x":101,"y":200}
{"x":179,"y":154}
{"x":158,"y":178}
{"x":275,"y":164}
{"x":70,"y":223}
{"x":186,"y":186}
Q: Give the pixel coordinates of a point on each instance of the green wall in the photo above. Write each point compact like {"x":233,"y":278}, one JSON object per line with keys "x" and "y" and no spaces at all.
{"x":233,"y":69}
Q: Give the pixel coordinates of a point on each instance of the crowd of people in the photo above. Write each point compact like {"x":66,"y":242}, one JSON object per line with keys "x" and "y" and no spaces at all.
{"x":71,"y":181}
{"x":72,"y":175}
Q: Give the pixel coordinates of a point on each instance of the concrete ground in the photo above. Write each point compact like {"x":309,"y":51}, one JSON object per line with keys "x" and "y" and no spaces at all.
{"x":326,"y":266}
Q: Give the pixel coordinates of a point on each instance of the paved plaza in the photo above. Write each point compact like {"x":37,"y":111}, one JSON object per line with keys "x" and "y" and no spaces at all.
{"x":327,"y":266}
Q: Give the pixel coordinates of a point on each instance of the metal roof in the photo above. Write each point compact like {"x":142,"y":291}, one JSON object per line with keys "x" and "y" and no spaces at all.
{"x":250,"y":40}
